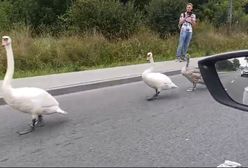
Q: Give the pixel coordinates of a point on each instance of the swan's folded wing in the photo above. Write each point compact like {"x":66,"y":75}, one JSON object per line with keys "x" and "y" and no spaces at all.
{"x":159,"y":77}
{"x":197,"y":78}
{"x":196,"y":70}
{"x":35,"y":95}
{"x":196,"y":75}
{"x":193,"y":69}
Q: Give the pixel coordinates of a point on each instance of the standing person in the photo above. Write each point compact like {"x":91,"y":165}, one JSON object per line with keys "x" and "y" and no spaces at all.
{"x":186,"y":22}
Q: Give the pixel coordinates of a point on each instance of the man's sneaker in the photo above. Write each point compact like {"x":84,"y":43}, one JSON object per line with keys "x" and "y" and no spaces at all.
{"x":183,"y":58}
{"x":179,"y":60}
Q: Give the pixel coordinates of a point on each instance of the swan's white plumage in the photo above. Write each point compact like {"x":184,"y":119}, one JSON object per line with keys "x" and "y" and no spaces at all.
{"x":155,"y":80}
{"x":31,"y":100}
{"x":193,"y":74}
{"x":158,"y":80}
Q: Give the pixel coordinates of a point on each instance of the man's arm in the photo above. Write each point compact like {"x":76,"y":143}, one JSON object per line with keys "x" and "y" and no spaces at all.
{"x":182,"y":19}
{"x":191,"y":20}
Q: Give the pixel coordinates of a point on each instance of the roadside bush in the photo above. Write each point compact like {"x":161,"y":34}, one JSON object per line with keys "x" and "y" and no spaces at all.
{"x":163,"y":15}
{"x":108,"y":17}
{"x":5,"y":8}
{"x":39,"y":55}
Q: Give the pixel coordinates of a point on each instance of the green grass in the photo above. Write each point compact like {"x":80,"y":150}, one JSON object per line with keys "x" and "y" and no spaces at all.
{"x":48,"y":55}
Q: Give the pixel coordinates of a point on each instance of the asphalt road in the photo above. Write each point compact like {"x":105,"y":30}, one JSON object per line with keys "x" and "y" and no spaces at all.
{"x":116,"y":126}
{"x":234,"y":84}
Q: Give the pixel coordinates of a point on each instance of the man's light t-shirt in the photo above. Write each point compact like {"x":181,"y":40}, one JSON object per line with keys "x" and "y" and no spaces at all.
{"x":186,"y":26}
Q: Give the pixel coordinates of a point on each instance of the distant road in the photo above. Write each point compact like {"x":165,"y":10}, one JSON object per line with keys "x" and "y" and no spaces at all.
{"x":234,"y":84}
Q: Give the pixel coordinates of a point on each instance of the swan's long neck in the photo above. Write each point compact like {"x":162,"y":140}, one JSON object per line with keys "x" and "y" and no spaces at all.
{"x":187,"y":64}
{"x":10,"y":68}
{"x":151,"y":68}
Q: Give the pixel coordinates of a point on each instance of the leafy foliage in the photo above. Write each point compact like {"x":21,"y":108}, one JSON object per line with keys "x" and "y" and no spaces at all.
{"x":163,"y":15}
{"x":35,"y":13}
{"x":225,"y":65}
{"x":108,"y":17}
{"x":79,"y":34}
{"x":115,"y":18}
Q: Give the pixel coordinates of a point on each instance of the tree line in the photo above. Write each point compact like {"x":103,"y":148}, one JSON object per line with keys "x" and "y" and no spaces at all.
{"x":115,"y":19}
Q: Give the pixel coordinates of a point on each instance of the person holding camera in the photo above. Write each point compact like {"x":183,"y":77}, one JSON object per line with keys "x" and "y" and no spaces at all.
{"x":186,"y":23}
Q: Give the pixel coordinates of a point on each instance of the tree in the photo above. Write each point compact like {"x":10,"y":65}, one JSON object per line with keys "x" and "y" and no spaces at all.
{"x":225,"y":65}
{"x":246,"y":58}
{"x":138,"y":4}
{"x":5,"y":20}
{"x":38,"y":12}
{"x":163,"y":15}
{"x":216,"y":11}
{"x":236,"y":63}
{"x":109,"y":17}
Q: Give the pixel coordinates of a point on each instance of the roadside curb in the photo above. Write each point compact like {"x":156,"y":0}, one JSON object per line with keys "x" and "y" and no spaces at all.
{"x":95,"y":85}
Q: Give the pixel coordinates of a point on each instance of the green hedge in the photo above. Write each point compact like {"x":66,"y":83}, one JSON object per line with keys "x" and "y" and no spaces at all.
{"x":109,"y":17}
{"x":163,"y":15}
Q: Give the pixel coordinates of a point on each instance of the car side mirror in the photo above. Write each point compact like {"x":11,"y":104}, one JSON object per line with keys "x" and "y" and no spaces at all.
{"x":226,"y":77}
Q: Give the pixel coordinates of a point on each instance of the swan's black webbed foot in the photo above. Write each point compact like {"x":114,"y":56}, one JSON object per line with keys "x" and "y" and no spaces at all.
{"x":27,"y":131}
{"x":40,"y":122}
{"x":193,"y":88}
{"x":154,"y":96}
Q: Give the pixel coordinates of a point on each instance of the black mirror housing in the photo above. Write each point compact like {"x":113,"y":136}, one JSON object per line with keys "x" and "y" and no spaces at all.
{"x":213,"y":82}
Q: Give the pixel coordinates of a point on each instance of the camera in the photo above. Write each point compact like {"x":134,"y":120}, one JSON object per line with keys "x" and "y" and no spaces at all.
{"x":189,"y":13}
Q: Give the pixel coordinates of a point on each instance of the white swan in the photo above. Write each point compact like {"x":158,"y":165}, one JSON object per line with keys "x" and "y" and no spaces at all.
{"x":157,"y":81}
{"x":34,"y":101}
{"x":193,"y":74}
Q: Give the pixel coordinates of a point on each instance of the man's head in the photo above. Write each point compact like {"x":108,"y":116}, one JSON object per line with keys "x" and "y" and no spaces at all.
{"x":189,"y":7}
